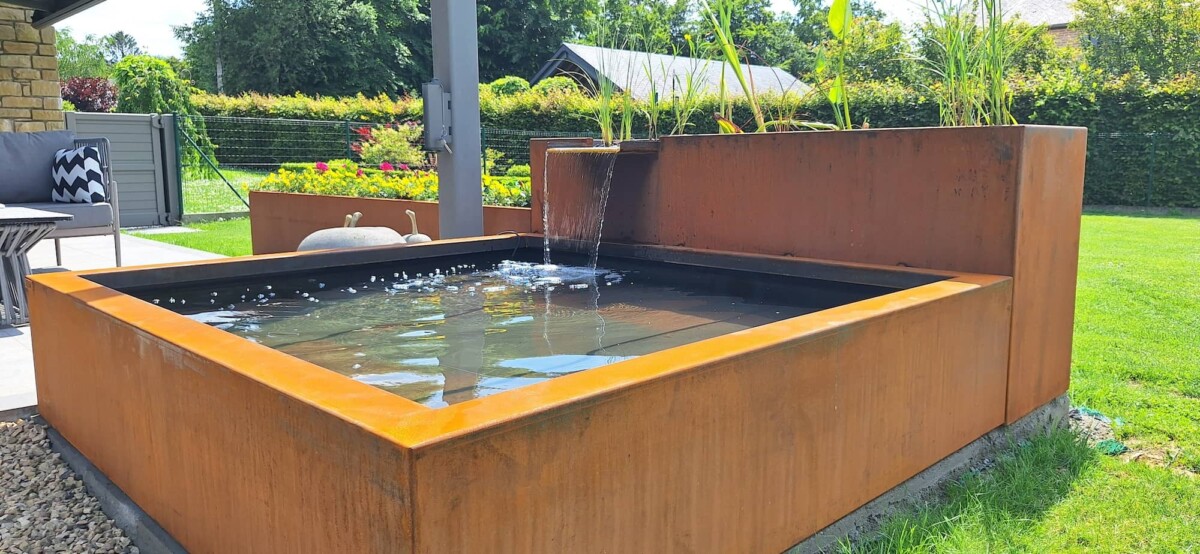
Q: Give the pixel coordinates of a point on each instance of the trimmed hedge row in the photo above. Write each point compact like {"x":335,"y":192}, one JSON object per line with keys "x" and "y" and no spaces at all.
{"x":1144,"y":142}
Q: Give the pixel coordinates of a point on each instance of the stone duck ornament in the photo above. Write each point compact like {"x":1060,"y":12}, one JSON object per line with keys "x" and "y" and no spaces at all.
{"x":349,"y":235}
{"x":416,"y":235}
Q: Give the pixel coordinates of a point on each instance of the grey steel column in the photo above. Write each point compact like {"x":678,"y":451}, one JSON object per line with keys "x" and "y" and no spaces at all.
{"x":456,"y":66}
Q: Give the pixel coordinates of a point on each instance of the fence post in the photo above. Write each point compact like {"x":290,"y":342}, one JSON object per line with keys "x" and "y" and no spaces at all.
{"x":483,"y":149}
{"x":1153,"y":168}
{"x":349,"y":146}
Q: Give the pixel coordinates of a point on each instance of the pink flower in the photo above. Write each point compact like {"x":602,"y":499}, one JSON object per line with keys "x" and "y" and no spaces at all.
{"x":386,"y":166}
{"x":322,"y":167}
{"x":403,"y":167}
{"x":360,"y":173}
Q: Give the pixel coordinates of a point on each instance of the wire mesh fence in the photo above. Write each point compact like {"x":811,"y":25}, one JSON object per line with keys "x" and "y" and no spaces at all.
{"x":1152,"y":170}
{"x":248,"y":149}
{"x":1123,"y":169}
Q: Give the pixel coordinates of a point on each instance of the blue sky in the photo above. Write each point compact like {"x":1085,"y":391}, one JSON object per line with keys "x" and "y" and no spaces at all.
{"x":150,"y":21}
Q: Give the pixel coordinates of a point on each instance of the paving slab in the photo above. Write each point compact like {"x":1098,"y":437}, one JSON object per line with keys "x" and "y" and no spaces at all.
{"x":17,"y":386}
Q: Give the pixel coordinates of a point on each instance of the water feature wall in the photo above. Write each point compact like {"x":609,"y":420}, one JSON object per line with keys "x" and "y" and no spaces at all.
{"x":999,"y":200}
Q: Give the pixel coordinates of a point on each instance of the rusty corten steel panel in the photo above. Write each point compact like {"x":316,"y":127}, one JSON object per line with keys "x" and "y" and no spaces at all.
{"x":226,"y":460}
{"x":976,"y":199}
{"x":280,"y":220}
{"x":1047,"y":263}
{"x":746,"y":442}
{"x":752,"y":450}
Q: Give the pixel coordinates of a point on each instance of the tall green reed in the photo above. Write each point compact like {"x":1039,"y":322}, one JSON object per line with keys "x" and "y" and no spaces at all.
{"x":720,"y":16}
{"x":973,"y":52}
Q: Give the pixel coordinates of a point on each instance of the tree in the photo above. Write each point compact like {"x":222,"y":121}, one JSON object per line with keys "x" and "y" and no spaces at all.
{"x":517,"y":36}
{"x":656,"y":26}
{"x":147,"y":84}
{"x":119,"y":45}
{"x":1158,"y":38}
{"x":328,"y":47}
{"x":810,"y":22}
{"x":80,"y":58}
{"x":877,"y":51}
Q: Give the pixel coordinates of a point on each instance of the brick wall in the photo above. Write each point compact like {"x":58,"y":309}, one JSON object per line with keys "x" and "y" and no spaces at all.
{"x":30,"y":97}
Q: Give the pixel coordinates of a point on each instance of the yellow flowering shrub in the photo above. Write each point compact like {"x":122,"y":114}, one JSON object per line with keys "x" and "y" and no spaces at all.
{"x":343,"y":178}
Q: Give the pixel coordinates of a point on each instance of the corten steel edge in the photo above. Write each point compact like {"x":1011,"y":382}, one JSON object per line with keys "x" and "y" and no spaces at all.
{"x":280,"y":220}
{"x":994,"y":200}
{"x":749,"y":442}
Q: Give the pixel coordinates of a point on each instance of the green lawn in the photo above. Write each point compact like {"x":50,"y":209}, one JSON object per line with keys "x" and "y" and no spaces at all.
{"x":229,"y":237}
{"x":1137,"y":359}
{"x":207,"y":196}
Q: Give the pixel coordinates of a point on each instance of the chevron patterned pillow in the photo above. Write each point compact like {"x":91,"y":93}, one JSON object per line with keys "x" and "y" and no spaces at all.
{"x":77,"y":176}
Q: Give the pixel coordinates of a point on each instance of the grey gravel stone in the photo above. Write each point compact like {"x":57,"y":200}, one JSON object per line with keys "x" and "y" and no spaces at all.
{"x":46,"y":507}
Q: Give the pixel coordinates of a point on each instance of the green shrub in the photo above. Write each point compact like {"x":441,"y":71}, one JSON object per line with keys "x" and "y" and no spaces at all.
{"x":559,"y":84}
{"x":1121,"y":114}
{"x":397,"y":144}
{"x":509,"y":85}
{"x":146,"y":84}
{"x":520,"y":170}
{"x":346,"y":178}
{"x":67,"y":106}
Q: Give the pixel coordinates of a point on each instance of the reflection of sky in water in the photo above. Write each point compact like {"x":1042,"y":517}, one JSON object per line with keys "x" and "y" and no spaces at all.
{"x":461,"y":333}
{"x":562,"y":363}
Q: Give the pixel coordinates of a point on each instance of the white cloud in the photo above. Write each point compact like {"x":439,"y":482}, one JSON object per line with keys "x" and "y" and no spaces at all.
{"x":149,"y":21}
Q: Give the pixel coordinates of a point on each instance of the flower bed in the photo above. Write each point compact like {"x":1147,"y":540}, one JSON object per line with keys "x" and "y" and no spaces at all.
{"x":346,"y":178}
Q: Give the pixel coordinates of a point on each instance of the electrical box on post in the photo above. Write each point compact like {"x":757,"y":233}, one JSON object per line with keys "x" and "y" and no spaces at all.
{"x":436,"y":117}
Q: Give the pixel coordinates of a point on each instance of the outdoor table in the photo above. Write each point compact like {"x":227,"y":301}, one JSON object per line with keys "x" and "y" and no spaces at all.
{"x":20,"y":230}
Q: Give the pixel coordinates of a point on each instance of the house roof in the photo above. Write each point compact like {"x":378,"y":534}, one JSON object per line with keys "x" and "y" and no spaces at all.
{"x":1052,"y":13}
{"x":627,"y":70}
{"x":49,"y":12}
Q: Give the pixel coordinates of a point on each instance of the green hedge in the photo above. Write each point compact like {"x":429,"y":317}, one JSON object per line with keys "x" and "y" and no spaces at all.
{"x":1144,"y":143}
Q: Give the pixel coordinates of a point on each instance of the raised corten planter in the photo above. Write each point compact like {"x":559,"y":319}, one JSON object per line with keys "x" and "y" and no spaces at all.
{"x":280,"y":220}
{"x":996,"y":200}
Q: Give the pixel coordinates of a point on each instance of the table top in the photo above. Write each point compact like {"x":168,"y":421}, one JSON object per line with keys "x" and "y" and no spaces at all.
{"x":12,"y":215}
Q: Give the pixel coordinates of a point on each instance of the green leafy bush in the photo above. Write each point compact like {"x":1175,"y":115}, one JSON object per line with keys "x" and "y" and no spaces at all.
{"x":146,"y":84}
{"x":396,"y":144}
{"x":510,"y":84}
{"x":346,"y":178}
{"x":559,"y":84}
{"x":1130,"y":122}
{"x":519,"y":170}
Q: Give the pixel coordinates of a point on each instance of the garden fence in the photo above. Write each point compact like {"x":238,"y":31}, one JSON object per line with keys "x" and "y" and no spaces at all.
{"x":1123,"y":169}
{"x":246,"y":149}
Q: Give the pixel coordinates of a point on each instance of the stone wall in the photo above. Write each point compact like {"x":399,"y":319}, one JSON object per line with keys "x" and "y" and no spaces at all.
{"x":30,"y":96}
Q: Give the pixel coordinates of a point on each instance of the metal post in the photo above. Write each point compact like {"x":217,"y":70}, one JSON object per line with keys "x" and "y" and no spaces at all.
{"x":456,"y":67}
{"x":1153,"y":166}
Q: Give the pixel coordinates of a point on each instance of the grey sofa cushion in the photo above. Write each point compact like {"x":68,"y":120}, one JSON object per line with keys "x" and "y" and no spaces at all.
{"x":26,"y":159}
{"x":86,"y":215}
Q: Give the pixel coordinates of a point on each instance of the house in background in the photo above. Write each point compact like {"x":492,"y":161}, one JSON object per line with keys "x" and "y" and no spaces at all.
{"x":627,"y":70}
{"x":1056,"y":15}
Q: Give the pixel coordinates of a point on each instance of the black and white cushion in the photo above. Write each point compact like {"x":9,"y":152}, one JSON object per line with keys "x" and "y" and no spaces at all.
{"x":77,"y":176}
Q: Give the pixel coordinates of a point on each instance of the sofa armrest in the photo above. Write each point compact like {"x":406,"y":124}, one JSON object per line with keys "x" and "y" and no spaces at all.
{"x":110,"y":185}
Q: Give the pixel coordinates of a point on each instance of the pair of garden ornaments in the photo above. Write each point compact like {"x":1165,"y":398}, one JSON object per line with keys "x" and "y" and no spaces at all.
{"x":350,"y":235}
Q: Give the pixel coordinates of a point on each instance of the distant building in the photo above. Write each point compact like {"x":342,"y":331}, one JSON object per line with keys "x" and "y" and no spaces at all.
{"x":1056,"y":15}
{"x":627,"y":69}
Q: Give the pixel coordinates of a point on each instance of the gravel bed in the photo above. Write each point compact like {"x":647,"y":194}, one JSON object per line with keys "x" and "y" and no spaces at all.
{"x":45,"y":505}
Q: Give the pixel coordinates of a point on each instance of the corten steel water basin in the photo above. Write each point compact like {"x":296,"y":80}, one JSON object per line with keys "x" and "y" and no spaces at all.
{"x":748,"y":442}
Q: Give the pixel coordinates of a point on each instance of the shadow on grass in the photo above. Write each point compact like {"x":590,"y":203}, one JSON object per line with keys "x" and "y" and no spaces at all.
{"x":991,"y":510}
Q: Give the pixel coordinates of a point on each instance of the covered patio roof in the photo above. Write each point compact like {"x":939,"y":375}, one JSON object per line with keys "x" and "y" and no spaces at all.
{"x":49,"y":12}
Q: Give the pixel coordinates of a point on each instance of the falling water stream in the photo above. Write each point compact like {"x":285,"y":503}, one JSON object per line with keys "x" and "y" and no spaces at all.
{"x":584,"y":223}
